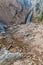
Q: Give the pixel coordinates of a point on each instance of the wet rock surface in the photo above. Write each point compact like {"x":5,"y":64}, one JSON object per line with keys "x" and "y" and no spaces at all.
{"x":2,"y":28}
{"x":26,"y":40}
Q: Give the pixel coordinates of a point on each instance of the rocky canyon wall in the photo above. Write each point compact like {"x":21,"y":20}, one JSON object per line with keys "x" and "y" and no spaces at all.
{"x":14,"y":11}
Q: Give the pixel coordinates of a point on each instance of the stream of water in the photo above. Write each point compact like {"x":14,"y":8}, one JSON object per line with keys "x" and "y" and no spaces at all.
{"x":28,"y":18}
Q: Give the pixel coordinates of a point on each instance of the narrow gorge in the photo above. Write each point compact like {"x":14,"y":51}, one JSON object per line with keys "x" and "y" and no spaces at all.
{"x":21,"y":32}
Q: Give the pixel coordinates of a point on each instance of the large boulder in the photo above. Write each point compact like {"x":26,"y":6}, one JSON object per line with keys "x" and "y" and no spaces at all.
{"x":14,"y":10}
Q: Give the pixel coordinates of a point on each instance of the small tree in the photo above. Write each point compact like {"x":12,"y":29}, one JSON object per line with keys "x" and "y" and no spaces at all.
{"x":37,"y":6}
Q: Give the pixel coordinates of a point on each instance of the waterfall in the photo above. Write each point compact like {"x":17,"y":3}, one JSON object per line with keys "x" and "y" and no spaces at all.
{"x":28,"y":17}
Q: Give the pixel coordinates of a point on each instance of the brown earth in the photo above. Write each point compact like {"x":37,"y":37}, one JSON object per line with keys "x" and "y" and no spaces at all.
{"x":26,"y":39}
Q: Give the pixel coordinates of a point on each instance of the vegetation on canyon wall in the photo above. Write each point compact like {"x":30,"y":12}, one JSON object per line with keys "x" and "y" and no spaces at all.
{"x":39,"y":12}
{"x":39,"y":17}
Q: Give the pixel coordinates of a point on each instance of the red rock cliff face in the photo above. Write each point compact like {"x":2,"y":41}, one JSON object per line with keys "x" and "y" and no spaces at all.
{"x":12,"y":11}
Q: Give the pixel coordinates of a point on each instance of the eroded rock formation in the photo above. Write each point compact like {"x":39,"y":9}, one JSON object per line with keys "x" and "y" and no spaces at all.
{"x":14,"y":10}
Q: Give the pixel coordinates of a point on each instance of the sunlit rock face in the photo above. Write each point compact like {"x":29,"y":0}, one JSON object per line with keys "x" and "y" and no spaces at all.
{"x":14,"y":10}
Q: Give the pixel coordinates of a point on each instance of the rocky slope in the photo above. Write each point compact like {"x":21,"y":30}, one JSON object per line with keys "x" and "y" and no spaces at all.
{"x":20,"y":44}
{"x":24,"y":42}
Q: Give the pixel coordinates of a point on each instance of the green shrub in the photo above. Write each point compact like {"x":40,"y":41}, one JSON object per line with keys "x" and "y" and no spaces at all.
{"x":40,"y":17}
